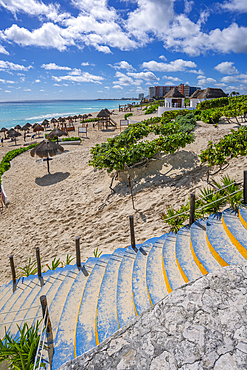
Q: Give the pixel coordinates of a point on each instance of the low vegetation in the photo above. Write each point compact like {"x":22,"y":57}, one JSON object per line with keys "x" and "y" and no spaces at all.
{"x":126,"y":149}
{"x":20,"y":350}
{"x":5,"y":162}
{"x":209,"y":202}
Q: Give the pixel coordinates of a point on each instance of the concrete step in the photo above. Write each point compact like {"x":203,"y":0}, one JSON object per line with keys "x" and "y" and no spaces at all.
{"x":235,"y":230}
{"x":64,"y":345}
{"x":6,"y":294}
{"x":200,"y":251}
{"x":86,"y":325}
{"x":139,"y":277}
{"x":242,"y":212}
{"x":125,"y":301}
{"x":173,"y":277}
{"x":15,"y":301}
{"x":155,"y":276}
{"x":107,"y":317}
{"x":32,"y":302}
{"x":219,"y":244}
{"x":184,"y":258}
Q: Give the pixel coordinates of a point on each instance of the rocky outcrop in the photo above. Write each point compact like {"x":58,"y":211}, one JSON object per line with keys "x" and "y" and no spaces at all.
{"x":202,"y":325}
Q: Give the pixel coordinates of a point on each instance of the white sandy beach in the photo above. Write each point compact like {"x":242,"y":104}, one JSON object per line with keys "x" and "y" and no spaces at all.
{"x":49,"y":211}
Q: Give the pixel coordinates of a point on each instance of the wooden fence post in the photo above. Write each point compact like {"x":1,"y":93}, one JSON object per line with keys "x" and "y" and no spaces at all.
{"x":192,"y":208}
{"x":11,"y":259}
{"x":245,"y":187}
{"x":132,"y":233}
{"x":78,"y":253}
{"x":39,"y":266}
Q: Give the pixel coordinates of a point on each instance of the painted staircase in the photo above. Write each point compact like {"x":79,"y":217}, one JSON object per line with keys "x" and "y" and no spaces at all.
{"x":87,"y":306}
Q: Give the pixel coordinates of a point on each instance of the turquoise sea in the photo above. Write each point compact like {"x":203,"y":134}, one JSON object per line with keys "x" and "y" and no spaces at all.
{"x":19,"y":113}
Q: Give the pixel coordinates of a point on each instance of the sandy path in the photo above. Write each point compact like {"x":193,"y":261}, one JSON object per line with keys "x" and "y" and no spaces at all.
{"x":49,"y":211}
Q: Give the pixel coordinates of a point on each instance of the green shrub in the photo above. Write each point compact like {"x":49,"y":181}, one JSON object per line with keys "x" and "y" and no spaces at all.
{"x":151,"y":109}
{"x":5,"y":162}
{"x":128,"y":115}
{"x":20,"y":350}
{"x":187,"y":123}
{"x":71,"y":138}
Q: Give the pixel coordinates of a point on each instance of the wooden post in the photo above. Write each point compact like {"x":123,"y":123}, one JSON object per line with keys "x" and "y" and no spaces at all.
{"x":39,"y":266}
{"x":128,"y":177}
{"x":11,"y":259}
{"x":49,"y":334}
{"x":78,"y":253}
{"x":192,"y":208}
{"x":245,"y":187}
{"x":132,"y":233}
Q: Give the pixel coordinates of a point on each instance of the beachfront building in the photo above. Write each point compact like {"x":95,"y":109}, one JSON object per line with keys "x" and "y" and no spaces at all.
{"x":174,"y":99}
{"x":210,"y":93}
{"x":161,"y":91}
{"x":141,"y":96}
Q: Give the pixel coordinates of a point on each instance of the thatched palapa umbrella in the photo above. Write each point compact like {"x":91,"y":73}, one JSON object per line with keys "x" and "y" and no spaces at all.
{"x":13,"y":133}
{"x":28,"y":124}
{"x":3,"y":129}
{"x":17,"y":127}
{"x":46,"y":149}
{"x":56,"y":132}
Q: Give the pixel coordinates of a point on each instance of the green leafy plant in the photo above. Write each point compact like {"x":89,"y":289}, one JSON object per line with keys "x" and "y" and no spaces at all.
{"x":20,"y":350}
{"x":69,"y":259}
{"x":128,"y":115}
{"x":29,"y":269}
{"x":71,"y":138}
{"x":209,"y":202}
{"x":5,"y":162}
{"x":96,"y":253}
{"x":54,"y":264}
{"x":126,"y":149}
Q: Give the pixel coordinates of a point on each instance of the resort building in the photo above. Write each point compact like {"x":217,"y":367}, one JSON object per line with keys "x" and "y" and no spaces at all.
{"x":161,"y":91}
{"x":174,"y":99}
{"x":210,"y":93}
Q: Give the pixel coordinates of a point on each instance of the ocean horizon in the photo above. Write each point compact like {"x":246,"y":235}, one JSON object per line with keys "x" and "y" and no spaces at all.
{"x":14,"y":113}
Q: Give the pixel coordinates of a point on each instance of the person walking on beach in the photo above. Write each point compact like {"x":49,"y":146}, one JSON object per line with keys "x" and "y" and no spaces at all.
{"x":24,"y":136}
{"x":2,"y":141}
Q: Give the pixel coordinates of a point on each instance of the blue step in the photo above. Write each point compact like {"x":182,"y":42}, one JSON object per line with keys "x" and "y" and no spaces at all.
{"x":107,"y":317}
{"x":242,"y":212}
{"x":219,"y":243}
{"x":235,"y":230}
{"x":139,"y":279}
{"x":185,"y":261}
{"x":155,"y":275}
{"x":6,"y":294}
{"x":125,"y":301}
{"x":86,"y":325}
{"x":172,"y":274}
{"x":32,"y":301}
{"x":64,"y":345}
{"x":202,"y":255}
{"x":15,"y":301}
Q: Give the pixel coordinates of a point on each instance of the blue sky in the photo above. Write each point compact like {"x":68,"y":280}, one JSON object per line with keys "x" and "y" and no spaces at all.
{"x":89,"y":49}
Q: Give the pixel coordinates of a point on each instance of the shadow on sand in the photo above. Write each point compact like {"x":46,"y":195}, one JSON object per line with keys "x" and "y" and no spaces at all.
{"x":51,"y":179}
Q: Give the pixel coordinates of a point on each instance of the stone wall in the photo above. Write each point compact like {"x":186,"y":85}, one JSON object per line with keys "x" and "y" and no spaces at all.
{"x":202,"y":325}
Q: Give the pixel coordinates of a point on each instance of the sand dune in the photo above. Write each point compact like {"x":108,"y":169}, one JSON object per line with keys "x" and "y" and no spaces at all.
{"x":49,"y":211}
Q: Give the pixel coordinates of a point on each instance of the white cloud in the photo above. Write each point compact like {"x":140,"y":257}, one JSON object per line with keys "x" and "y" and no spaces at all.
{"x":226,"y":68}
{"x":123,"y":80}
{"x":174,"y":66}
{"x":229,"y":79}
{"x":206,"y":81}
{"x":53,"y":66}
{"x":176,"y":79}
{"x":169,"y":83}
{"x":27,"y":90}
{"x":7,"y":91}
{"x":162,"y":57}
{"x":123,"y":65}
{"x":6,"y":66}
{"x":33,"y":8}
{"x":37,"y":81}
{"x":117,"y":87}
{"x":84,"y":77}
{"x":84,"y":64}
{"x":235,"y":6}
{"x":148,"y":76}
{"x":188,"y":5}
{"x":48,"y":35}
{"x":7,"y":81}
{"x":3,"y":51}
